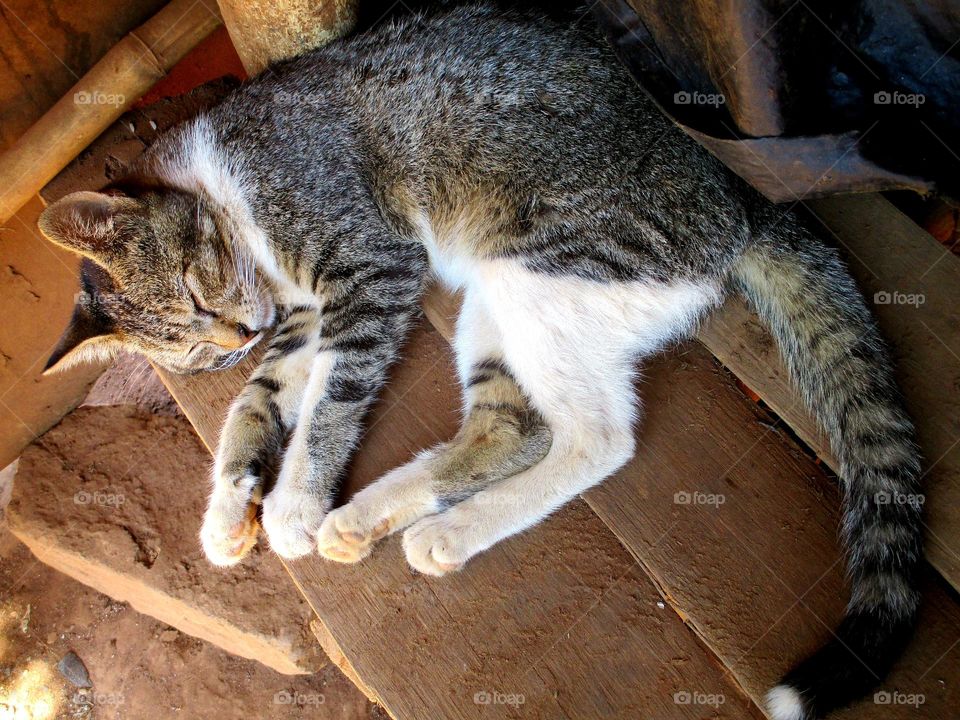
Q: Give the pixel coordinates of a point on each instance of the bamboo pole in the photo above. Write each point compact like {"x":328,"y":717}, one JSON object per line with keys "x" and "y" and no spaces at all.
{"x":128,"y":70}
{"x":264,"y":31}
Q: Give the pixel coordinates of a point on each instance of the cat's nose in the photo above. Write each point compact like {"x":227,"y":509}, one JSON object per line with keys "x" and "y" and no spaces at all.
{"x":246,"y":333}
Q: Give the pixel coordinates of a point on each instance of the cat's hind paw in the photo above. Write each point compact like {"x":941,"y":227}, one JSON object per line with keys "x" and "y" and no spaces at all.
{"x":292,"y":520}
{"x":346,"y":536}
{"x":437,"y":545}
{"x":393,"y":502}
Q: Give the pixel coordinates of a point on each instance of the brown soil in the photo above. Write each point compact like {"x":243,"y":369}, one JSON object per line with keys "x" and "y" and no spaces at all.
{"x":113,"y":496}
{"x":140,"y":669}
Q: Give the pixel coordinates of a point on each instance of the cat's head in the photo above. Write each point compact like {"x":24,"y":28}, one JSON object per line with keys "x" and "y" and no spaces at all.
{"x":158,"y":278}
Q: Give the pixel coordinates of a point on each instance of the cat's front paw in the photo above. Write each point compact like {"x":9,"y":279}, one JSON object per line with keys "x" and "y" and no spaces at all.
{"x":292,"y":517}
{"x":439,"y":544}
{"x":229,"y":526}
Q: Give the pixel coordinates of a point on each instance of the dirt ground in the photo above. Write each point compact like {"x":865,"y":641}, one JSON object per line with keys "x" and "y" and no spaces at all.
{"x":139,"y":668}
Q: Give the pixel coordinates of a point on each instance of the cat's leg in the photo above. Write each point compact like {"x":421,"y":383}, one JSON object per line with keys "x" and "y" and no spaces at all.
{"x":253,"y":436}
{"x":572,"y":345}
{"x":362,"y":329}
{"x":500,"y":436}
{"x":592,"y":438}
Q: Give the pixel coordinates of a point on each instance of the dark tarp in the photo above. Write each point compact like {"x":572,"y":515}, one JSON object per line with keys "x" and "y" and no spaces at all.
{"x":805,"y":98}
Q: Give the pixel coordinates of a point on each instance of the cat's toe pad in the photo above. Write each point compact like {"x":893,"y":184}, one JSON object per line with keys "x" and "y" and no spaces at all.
{"x":292,"y":520}
{"x":436,"y":545}
{"x":392,"y":503}
{"x":229,"y":529}
{"x":347,"y":536}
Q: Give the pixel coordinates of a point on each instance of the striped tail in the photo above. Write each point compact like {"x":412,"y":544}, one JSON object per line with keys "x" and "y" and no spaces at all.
{"x":829,"y":340}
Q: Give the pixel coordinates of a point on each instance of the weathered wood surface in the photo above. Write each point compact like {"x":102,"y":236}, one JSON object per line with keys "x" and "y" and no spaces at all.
{"x":205,"y":399}
{"x":336,"y":656}
{"x":738,"y":526}
{"x":758,"y":576}
{"x":735,"y":335}
{"x":562,"y":616}
{"x":892,"y":260}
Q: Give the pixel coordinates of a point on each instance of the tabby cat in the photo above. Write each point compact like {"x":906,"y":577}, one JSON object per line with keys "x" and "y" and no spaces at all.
{"x":511,"y":157}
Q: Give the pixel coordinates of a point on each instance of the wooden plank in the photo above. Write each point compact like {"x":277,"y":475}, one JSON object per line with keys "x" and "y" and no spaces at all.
{"x":562,"y":617}
{"x":441,"y":308}
{"x":333,"y":651}
{"x":38,"y":285}
{"x":205,"y":398}
{"x":735,"y":335}
{"x":888,"y":253}
{"x":739,"y":528}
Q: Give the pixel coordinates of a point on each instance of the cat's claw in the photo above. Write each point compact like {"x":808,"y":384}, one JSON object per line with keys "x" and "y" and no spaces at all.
{"x":229,"y":530}
{"x":435,"y":545}
{"x":292,"y":520}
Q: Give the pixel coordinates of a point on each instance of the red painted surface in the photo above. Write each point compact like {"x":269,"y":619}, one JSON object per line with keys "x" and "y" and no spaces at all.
{"x":213,"y":58}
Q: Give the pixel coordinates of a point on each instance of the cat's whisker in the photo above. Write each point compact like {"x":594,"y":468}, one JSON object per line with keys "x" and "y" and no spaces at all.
{"x":244,"y":270}
{"x":137,"y":376}
{"x":133,"y":379}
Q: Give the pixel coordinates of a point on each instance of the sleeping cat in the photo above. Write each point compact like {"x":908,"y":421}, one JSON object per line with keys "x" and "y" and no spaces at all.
{"x":513,"y":159}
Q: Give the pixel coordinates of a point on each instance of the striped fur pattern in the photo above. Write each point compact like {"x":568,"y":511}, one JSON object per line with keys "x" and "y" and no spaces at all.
{"x":510,"y":156}
{"x":502,"y":434}
{"x":832,"y":348}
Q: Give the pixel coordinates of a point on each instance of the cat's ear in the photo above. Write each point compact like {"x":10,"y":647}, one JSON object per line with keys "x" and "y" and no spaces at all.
{"x":83,"y":222}
{"x":89,"y":336}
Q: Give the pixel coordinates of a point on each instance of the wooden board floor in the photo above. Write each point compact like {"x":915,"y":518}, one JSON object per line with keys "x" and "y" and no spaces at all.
{"x":632,"y":603}
{"x":569,"y":614}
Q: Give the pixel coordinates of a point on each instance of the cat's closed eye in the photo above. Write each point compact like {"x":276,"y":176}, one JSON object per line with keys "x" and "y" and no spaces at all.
{"x":198,"y":305}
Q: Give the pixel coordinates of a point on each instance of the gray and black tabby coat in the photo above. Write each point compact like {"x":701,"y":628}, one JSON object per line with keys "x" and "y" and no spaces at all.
{"x":512,"y":157}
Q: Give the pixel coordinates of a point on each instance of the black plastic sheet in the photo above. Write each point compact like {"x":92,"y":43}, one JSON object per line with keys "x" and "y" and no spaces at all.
{"x":805,"y":98}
